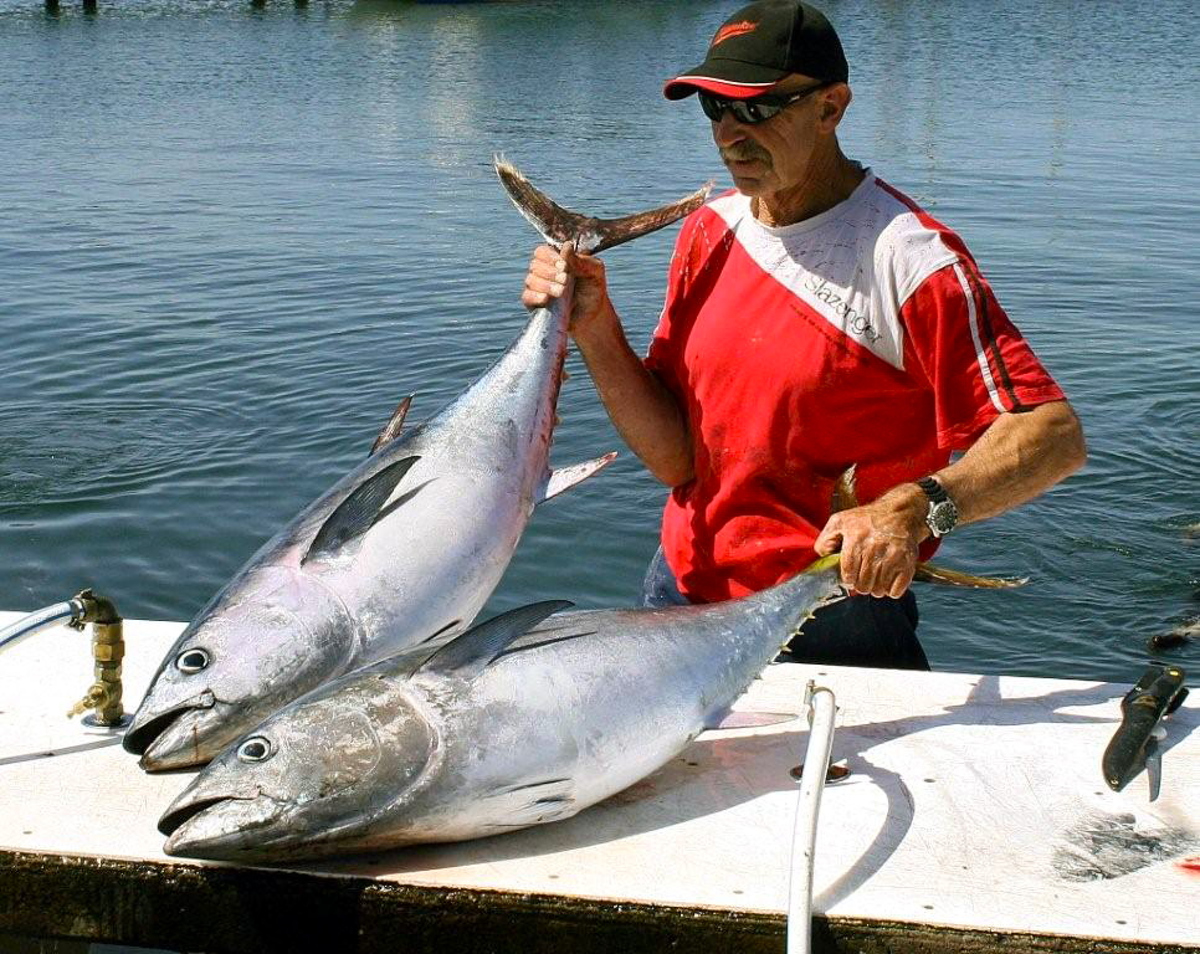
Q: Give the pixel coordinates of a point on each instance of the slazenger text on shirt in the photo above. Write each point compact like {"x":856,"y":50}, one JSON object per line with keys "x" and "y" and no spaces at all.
{"x":856,"y":322}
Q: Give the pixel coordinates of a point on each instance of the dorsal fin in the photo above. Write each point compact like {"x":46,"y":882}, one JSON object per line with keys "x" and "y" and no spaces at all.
{"x":469,"y":654}
{"x":356,"y":514}
{"x":392,"y":428}
{"x":558,"y":225}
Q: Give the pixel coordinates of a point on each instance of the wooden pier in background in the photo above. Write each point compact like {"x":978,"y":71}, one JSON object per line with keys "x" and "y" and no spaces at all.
{"x":93,"y":6}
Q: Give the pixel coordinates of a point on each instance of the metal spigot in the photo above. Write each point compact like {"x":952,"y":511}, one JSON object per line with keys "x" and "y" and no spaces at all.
{"x":108,"y":649}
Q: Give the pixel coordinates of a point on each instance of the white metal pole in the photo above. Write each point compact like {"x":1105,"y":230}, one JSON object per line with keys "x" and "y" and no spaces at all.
{"x":822,"y":710}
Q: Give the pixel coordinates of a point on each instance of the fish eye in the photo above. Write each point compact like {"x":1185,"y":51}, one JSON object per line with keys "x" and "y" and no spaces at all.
{"x":257,"y":749}
{"x":192,"y":661}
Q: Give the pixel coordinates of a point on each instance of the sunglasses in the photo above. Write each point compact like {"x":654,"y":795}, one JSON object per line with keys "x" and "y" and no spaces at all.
{"x":752,"y":111}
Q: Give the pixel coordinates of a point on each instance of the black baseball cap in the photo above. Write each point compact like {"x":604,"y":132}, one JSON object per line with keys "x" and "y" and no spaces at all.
{"x":761,"y":44}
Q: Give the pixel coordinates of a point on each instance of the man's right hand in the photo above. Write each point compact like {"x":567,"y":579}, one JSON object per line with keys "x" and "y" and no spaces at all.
{"x":551,"y":271}
{"x":645,"y":413}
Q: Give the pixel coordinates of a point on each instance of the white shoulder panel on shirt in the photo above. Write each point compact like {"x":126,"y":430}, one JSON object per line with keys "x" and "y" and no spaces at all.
{"x":855,"y":265}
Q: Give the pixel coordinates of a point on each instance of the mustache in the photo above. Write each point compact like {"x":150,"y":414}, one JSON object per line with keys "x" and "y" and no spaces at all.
{"x":743,"y":152}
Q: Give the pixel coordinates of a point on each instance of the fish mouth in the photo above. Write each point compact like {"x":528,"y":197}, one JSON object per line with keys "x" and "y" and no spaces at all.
{"x":178,"y":738}
{"x":138,"y":739}
{"x":219,"y":827}
{"x":175,"y":818}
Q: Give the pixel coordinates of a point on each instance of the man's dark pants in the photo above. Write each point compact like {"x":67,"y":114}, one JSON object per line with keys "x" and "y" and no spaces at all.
{"x":859,"y":631}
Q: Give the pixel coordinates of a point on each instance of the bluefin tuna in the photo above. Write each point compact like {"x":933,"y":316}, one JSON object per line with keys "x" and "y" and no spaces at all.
{"x":525,"y":719}
{"x":406,"y":548}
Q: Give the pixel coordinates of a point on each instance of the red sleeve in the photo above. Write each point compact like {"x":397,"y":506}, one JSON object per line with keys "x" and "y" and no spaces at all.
{"x":976,"y":362}
{"x":666,"y":345}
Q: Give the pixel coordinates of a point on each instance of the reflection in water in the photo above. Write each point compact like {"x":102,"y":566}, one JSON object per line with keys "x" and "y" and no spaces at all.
{"x":440,"y":96}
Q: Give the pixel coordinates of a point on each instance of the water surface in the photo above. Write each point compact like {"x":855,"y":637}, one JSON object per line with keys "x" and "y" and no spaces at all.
{"x":233,"y":238}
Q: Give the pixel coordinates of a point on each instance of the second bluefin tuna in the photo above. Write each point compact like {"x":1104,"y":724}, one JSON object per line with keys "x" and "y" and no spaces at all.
{"x":526,"y":719}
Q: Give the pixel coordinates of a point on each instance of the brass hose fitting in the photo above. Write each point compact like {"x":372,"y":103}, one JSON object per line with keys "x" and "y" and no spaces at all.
{"x":108,"y":649}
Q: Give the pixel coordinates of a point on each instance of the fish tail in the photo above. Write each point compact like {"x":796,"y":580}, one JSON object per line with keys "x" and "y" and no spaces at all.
{"x":823,"y":563}
{"x":845,"y":491}
{"x":928,"y":573}
{"x":590,"y":235}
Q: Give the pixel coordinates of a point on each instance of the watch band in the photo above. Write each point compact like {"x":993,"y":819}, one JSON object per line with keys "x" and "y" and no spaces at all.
{"x":933,"y":490}
{"x":943,"y":514}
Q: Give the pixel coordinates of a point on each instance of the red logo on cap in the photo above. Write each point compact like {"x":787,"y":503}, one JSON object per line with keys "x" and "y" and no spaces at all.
{"x":733,"y":29}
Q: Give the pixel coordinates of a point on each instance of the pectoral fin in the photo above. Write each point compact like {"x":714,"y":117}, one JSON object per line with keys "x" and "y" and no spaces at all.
{"x":356,"y":514}
{"x":469,"y":654}
{"x":531,"y":803}
{"x":564,"y":478}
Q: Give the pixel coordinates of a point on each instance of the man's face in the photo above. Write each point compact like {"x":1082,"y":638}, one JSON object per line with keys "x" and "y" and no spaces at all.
{"x":773,"y":156}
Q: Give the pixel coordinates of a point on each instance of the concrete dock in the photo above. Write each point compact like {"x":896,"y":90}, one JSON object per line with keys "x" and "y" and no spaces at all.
{"x":975,"y":819}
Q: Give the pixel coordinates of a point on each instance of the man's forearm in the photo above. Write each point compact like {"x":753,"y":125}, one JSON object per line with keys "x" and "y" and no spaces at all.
{"x":644,"y":412}
{"x":1017,"y":458}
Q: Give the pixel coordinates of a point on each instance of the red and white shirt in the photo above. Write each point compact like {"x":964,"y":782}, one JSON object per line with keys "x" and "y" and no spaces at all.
{"x":861,"y":336}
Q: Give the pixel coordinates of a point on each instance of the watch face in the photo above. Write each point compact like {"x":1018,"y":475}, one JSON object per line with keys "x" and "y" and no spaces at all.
{"x":942,"y":517}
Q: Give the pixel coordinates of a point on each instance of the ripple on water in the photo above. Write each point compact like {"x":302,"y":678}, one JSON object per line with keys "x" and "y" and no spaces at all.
{"x":96,"y":449}
{"x":255,"y":280}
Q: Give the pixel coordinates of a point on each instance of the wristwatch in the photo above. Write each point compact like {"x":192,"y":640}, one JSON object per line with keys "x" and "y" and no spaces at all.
{"x":943,"y":515}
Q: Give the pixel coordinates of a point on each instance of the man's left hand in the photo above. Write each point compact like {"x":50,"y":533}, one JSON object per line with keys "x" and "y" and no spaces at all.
{"x":878,"y":541}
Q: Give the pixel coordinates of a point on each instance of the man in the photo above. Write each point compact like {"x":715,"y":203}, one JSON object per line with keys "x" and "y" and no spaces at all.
{"x":815,"y":319}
